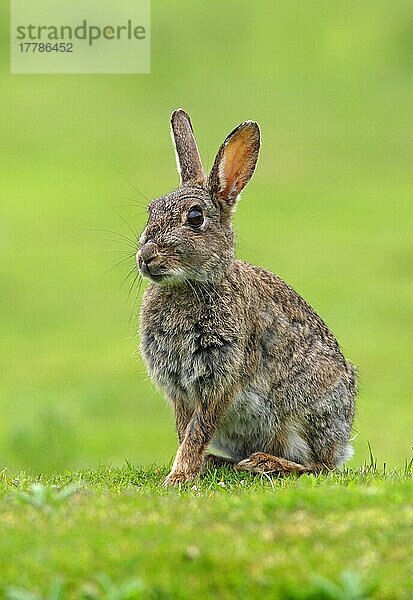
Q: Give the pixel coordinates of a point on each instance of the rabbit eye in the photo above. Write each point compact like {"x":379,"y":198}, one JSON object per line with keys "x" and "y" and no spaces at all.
{"x":195,"y":217}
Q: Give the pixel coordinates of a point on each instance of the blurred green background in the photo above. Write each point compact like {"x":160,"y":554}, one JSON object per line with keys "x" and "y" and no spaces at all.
{"x":329,"y":209}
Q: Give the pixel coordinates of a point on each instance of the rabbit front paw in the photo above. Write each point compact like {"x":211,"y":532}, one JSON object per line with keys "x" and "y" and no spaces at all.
{"x":178,"y":477}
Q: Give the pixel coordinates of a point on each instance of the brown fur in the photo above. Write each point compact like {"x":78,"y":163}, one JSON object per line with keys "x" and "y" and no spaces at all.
{"x":246,"y":363}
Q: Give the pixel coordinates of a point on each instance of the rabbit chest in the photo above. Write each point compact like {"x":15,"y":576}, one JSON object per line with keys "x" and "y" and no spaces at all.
{"x":186,"y":349}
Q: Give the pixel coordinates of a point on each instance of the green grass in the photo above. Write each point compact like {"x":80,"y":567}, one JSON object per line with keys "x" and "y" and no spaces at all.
{"x":343,"y":536}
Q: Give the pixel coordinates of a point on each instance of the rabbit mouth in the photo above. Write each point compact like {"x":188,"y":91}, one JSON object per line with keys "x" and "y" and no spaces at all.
{"x":157,"y":277}
{"x":155,"y":273}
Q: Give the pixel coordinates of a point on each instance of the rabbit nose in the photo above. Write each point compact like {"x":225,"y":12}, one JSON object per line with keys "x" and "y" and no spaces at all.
{"x":145,"y":256}
{"x":148,"y":252}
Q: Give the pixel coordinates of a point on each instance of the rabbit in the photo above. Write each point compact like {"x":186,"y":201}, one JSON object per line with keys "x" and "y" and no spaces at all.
{"x":250,"y":369}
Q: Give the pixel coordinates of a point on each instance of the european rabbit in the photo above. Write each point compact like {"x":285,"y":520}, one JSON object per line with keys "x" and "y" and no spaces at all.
{"x":248,"y":366}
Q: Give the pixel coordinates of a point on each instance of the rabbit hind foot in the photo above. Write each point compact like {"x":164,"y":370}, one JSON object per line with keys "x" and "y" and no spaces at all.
{"x":261,"y":462}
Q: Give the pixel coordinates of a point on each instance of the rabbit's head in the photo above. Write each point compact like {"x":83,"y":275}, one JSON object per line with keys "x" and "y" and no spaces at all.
{"x":188,"y":236}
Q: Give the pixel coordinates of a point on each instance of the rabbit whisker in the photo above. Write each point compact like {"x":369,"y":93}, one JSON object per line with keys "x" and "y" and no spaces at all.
{"x":137,"y":190}
{"x":193,"y":289}
{"x":132,"y":285}
{"x":120,"y":262}
{"x":128,"y":241}
{"x":204,"y":287}
{"x":129,"y":275}
{"x":128,"y":225}
{"x":135,"y":302}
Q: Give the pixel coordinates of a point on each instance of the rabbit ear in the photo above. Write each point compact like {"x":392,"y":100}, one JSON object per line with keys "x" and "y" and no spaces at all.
{"x":235,"y":163}
{"x":188,"y":160}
